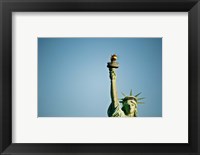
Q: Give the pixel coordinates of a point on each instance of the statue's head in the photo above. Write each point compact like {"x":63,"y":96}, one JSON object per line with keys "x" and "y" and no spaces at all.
{"x":129,"y":104}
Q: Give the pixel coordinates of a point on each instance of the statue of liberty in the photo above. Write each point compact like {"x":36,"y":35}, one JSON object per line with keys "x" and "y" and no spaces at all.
{"x":129,"y":103}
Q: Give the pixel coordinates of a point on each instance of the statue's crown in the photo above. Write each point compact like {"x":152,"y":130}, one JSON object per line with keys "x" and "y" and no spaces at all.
{"x":131,"y":97}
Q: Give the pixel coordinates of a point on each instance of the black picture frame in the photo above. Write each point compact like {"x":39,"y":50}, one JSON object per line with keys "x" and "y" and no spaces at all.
{"x":9,"y":6}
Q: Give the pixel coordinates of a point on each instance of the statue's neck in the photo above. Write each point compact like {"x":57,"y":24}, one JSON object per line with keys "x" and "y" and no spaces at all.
{"x":131,"y":115}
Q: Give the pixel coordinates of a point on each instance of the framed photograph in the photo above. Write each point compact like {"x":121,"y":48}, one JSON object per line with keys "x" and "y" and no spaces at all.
{"x":100,"y":77}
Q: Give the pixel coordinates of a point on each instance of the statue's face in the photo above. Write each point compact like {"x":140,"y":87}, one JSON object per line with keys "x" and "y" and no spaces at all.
{"x":129,"y":106}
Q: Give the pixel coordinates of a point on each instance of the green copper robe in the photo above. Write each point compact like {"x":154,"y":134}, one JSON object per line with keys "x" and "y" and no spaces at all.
{"x":115,"y":112}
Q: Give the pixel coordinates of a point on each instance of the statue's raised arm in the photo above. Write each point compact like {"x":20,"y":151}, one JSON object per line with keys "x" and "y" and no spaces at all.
{"x":113,"y":90}
{"x":114,"y":109}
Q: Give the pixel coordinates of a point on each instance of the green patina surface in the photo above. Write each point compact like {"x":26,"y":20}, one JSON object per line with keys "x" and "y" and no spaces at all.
{"x":129,"y":103}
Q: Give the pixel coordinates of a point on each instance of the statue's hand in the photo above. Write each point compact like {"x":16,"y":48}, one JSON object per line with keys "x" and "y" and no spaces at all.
{"x":113,"y":75}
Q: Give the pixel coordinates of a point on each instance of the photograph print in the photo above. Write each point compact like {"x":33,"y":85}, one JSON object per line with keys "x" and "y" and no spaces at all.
{"x":99,"y":77}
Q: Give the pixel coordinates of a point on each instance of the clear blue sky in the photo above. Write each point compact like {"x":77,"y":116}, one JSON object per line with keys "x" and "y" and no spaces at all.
{"x":73,"y":80}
